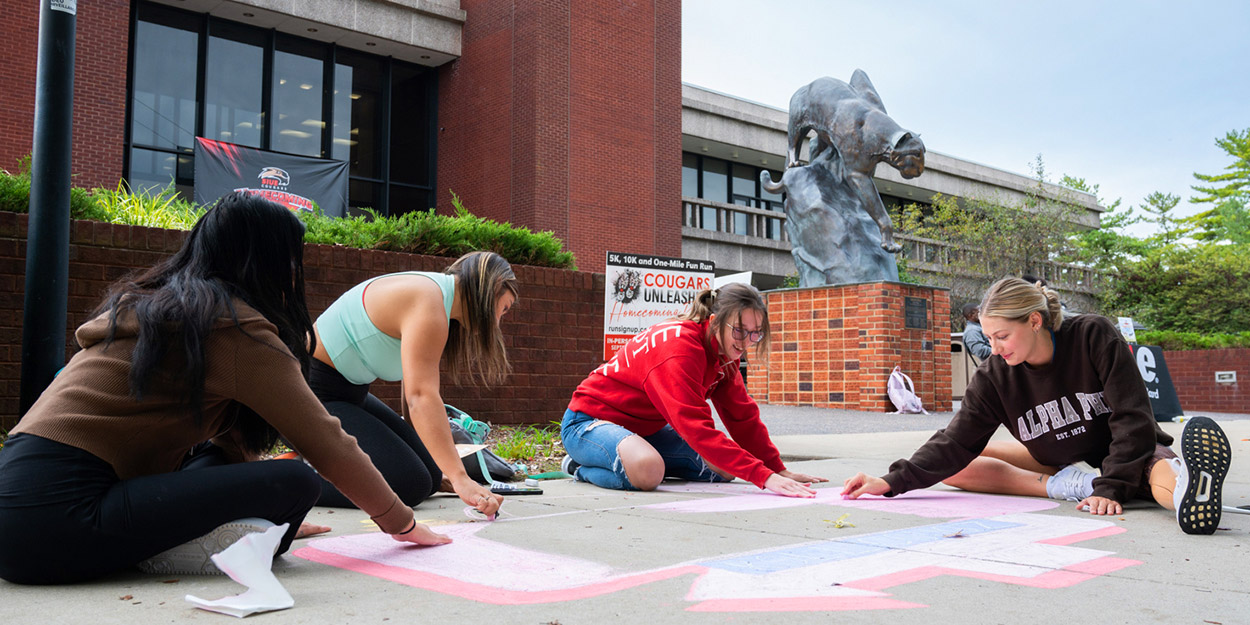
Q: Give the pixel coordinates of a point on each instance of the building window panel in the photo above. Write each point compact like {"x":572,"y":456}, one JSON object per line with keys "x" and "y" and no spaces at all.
{"x":163,"y":104}
{"x":297,"y":99}
{"x":358,"y":140}
{"x":234,"y":85}
{"x":410,"y":126}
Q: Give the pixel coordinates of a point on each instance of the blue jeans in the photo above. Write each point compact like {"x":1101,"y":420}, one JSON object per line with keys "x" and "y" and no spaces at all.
{"x":592,"y":444}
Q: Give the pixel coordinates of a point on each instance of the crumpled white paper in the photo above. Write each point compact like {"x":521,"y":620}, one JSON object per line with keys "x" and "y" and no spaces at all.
{"x":250,"y":562}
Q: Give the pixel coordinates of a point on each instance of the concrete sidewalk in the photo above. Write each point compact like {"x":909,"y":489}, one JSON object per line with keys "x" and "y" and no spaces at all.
{"x":729,"y":553}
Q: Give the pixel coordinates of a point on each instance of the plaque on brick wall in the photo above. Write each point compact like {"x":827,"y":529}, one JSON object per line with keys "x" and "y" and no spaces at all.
{"x":915,"y":313}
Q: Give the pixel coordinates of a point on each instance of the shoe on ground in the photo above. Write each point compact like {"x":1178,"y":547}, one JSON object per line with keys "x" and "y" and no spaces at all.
{"x":1071,"y":484}
{"x":1200,"y":472}
{"x":195,"y":557}
{"x":569,"y":465}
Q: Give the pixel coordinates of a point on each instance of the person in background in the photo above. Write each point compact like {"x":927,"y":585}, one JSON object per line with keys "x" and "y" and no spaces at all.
{"x":974,"y":338}
{"x":1068,"y":390}
{"x":109,"y":468}
{"x":644,"y":415}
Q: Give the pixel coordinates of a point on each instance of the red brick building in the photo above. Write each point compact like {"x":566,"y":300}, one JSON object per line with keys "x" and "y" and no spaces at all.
{"x":554,"y":115}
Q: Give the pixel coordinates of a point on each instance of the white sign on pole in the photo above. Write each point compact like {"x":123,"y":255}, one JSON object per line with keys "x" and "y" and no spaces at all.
{"x":642,"y":290}
{"x":1126,"y":328}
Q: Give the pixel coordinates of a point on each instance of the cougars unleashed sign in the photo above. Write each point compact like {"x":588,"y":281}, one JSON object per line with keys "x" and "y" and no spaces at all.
{"x":644,"y":290}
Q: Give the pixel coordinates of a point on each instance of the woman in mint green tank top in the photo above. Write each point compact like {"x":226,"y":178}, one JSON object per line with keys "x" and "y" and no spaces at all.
{"x":401,"y":327}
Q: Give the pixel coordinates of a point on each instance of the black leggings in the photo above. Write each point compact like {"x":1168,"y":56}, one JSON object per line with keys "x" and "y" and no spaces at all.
{"x":388,"y":440}
{"x":66,"y":517}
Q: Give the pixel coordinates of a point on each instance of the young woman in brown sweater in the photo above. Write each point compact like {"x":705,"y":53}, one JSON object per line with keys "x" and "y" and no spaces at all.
{"x":108,"y":469}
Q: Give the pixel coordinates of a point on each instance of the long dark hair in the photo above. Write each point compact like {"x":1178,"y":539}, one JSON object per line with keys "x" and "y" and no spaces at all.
{"x":245,"y":247}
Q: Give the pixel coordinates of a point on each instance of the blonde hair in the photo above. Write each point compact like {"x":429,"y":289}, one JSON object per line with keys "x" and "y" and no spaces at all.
{"x":1014,"y":299}
{"x":475,"y":348}
{"x":727,"y":303}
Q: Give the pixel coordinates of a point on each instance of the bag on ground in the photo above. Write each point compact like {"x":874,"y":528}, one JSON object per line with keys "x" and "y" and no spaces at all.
{"x":475,"y":434}
{"x":902,"y":393}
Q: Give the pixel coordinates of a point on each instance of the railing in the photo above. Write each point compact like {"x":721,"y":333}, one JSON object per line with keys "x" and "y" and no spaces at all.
{"x":924,"y":254}
{"x":734,"y":219}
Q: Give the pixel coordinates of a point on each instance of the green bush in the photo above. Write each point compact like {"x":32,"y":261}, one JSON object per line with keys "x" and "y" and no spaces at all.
{"x":426,"y":232}
{"x":1203,"y":289}
{"x":422,"y":232}
{"x":1181,"y":341}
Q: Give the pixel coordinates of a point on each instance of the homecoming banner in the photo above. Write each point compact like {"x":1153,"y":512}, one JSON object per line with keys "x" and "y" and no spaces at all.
{"x":295,"y":182}
{"x":645,"y":290}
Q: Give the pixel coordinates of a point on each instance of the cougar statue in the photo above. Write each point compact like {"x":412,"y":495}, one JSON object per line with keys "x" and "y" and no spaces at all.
{"x":851,"y":119}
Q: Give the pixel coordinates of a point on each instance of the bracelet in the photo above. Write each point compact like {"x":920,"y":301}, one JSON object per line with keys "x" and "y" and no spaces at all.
{"x":410,"y":528}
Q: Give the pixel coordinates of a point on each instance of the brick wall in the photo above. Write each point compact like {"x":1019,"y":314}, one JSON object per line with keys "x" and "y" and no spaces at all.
{"x":566,"y":116}
{"x":554,"y":334}
{"x":1193,"y":375}
{"x":835,"y":346}
{"x":103,"y":33}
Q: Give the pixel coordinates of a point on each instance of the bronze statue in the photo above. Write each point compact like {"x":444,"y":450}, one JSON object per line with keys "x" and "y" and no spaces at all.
{"x":833,"y":241}
{"x":851,"y":119}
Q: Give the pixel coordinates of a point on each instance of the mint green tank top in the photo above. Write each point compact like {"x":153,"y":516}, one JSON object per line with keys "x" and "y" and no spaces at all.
{"x":359,"y":350}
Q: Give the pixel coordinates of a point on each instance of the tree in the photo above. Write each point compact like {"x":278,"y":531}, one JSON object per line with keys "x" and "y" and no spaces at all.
{"x":1235,"y":182}
{"x":1204,"y":288}
{"x":1159,"y":206}
{"x":987,"y":240}
{"x":1108,"y":247}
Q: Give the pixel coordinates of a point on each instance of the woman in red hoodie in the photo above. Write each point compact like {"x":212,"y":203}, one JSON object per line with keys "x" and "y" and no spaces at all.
{"x":644,"y":416}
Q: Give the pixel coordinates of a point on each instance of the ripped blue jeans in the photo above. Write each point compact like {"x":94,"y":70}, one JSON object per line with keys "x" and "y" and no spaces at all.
{"x":592,"y":444}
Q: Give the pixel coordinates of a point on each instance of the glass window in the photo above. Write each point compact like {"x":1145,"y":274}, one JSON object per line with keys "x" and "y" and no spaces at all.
{"x":234,"y":82}
{"x":163,"y":104}
{"x":689,"y":175}
{"x":298,"y":73}
{"x":363,"y":194}
{"x":715,"y":188}
{"x":358,"y":113}
{"x":410,"y":126}
{"x":405,"y":199}
{"x":744,"y":180}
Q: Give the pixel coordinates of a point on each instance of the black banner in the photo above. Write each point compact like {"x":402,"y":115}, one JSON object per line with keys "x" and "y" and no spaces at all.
{"x":295,"y":182}
{"x":1154,"y":372}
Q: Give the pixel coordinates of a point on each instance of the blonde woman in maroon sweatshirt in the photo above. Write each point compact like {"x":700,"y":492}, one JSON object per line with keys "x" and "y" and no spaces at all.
{"x":1067,"y":390}
{"x":644,"y":416}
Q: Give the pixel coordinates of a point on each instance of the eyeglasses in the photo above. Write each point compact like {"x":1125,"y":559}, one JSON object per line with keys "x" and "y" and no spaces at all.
{"x":755,"y":336}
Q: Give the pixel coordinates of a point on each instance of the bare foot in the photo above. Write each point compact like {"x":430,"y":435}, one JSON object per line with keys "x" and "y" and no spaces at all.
{"x":307,"y":529}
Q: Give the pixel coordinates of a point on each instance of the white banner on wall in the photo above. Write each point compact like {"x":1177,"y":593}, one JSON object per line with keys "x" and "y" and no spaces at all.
{"x":643,"y":290}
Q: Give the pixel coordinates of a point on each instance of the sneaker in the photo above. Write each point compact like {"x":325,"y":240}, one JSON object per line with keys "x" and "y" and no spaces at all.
{"x":1200,"y":472}
{"x":570,"y":466}
{"x":194,"y":557}
{"x":1070,"y":483}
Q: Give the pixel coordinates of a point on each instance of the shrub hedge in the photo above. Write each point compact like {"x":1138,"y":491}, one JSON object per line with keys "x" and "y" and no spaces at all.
{"x":1182,"y":341}
{"x":419,"y":232}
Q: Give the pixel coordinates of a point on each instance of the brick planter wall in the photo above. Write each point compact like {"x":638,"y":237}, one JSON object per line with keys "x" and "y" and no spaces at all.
{"x":554,"y":334}
{"x":834,"y":347}
{"x":1193,"y":375}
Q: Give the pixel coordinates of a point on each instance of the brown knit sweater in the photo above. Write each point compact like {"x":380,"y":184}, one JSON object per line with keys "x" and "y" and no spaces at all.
{"x":89,"y":406}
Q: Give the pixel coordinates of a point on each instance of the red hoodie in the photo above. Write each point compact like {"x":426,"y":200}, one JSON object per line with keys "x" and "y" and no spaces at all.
{"x":665,"y":375}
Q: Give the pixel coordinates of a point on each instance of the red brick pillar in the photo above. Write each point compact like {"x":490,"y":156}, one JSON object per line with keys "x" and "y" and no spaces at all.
{"x":834,"y":346}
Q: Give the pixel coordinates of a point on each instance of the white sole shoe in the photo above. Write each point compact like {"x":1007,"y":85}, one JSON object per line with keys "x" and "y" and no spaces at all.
{"x":1205,"y":457}
{"x":195,"y":557}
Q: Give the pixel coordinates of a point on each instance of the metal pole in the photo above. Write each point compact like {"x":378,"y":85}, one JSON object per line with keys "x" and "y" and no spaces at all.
{"x":47,"y":236}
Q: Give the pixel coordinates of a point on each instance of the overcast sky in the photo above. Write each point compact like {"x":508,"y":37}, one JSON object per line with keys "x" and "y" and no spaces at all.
{"x":1130,"y":95}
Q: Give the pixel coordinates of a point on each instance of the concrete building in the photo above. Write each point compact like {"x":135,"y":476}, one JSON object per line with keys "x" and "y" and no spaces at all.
{"x":729,"y":219}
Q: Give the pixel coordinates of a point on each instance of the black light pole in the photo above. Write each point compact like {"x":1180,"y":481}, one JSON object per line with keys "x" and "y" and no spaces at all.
{"x":47,"y":234}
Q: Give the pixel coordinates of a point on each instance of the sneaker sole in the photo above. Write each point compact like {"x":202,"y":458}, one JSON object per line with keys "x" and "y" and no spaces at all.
{"x":195,"y":557}
{"x":1206,"y":454}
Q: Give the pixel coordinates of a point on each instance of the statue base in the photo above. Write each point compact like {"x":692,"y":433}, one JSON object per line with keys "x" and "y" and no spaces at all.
{"x":835,"y":346}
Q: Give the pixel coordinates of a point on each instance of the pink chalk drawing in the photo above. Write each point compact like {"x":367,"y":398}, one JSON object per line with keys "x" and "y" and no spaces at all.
{"x":925,"y":503}
{"x":1011,"y":545}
